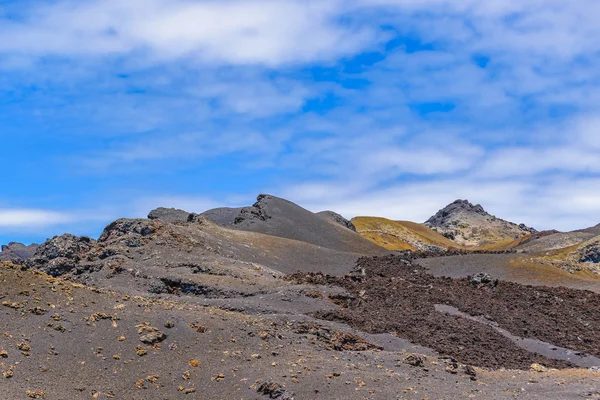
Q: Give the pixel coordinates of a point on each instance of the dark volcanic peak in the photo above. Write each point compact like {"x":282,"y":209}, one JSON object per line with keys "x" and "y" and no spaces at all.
{"x":275,"y":216}
{"x":17,"y":252}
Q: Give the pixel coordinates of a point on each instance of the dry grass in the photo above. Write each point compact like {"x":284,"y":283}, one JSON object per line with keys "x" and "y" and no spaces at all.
{"x":504,"y":245}
{"x":399,"y":235}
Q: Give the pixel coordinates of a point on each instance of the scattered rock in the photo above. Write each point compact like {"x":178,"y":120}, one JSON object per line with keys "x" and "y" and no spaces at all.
{"x":199,"y":328}
{"x":186,"y":391}
{"x":36,"y":394}
{"x":38,"y":311}
{"x":470,"y":371}
{"x":415,"y":360}
{"x":482,"y":279}
{"x":12,"y":304}
{"x":140,"y":351}
{"x":9,"y":373}
{"x":24,"y":347}
{"x":275,"y":391}
{"x":153,"y":337}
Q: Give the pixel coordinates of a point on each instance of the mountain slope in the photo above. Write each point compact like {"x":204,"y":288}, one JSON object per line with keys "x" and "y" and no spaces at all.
{"x":274,"y":216}
{"x":470,"y":225}
{"x":401,"y":235}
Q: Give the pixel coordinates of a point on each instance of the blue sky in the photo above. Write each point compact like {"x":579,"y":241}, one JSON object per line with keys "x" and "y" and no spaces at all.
{"x":367,"y":107}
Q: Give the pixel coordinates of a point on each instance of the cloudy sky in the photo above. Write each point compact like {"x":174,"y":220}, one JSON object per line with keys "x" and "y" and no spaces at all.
{"x":109,"y":108}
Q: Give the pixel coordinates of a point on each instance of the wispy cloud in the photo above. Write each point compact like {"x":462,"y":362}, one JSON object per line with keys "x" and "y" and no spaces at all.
{"x":23,"y":218}
{"x":235,"y":32}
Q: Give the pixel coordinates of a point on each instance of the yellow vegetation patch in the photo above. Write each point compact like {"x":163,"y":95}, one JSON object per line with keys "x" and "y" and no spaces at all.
{"x":505,"y":244}
{"x":399,"y":235}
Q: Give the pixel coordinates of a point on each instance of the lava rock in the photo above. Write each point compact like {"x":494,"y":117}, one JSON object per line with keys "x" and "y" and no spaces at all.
{"x":153,"y":337}
{"x":415,"y":360}
{"x":482,"y":279}
{"x":170,"y":215}
{"x":61,"y":254}
{"x":125,"y":227}
{"x":275,"y":391}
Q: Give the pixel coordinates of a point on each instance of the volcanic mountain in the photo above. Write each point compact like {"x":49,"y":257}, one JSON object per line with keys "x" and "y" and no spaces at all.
{"x":275,"y":216}
{"x":470,"y":225}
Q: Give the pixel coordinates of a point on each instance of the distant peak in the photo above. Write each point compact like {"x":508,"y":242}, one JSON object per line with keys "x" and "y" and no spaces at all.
{"x":466,"y":205}
{"x":457,"y":206}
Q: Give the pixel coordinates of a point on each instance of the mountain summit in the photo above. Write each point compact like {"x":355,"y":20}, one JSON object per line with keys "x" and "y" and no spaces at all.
{"x":470,"y":225}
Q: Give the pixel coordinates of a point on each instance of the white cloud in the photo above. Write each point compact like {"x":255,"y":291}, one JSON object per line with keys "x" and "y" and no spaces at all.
{"x":28,"y":218}
{"x":265,"y":32}
{"x":521,"y":133}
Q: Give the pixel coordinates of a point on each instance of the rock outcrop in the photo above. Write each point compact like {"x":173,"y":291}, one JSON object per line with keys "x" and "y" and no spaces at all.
{"x":61,"y":254}
{"x":171,"y":215}
{"x":337,"y":218}
{"x":470,"y":225}
{"x":582,"y":257}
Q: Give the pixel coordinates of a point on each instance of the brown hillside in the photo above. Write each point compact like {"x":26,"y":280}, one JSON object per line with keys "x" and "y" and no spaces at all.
{"x":400,"y":235}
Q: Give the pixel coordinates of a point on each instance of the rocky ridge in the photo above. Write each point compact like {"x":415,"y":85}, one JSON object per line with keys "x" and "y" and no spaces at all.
{"x":174,"y":253}
{"x":17,"y":252}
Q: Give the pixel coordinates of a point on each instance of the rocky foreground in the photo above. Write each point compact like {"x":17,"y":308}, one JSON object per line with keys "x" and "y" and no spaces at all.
{"x":273,"y":301}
